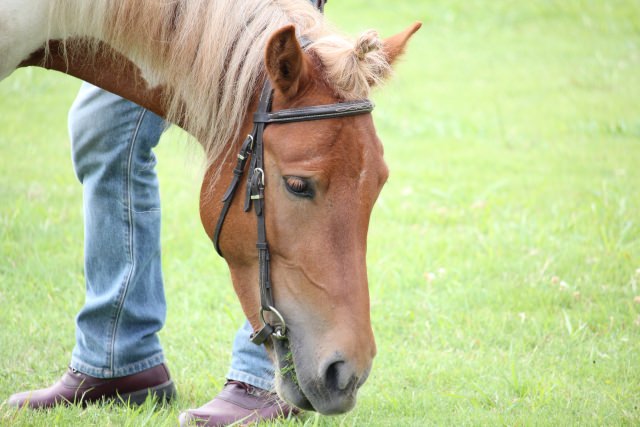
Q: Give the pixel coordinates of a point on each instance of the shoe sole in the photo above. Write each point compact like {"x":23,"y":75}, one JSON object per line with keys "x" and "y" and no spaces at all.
{"x":163,"y":393}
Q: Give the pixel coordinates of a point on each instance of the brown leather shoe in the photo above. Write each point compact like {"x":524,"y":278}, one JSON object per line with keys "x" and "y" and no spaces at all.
{"x":76,"y":387}
{"x":240,"y":403}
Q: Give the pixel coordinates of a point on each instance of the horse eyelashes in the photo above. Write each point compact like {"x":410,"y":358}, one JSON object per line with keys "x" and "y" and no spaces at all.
{"x":298,"y":186}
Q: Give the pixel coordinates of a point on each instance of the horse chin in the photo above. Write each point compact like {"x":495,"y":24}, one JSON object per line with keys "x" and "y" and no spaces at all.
{"x":287,"y":383}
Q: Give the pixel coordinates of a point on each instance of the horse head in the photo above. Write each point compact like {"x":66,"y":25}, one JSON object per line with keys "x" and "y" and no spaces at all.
{"x":322,"y":178}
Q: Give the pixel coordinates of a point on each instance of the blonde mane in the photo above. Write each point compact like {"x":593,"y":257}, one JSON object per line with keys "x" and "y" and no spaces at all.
{"x":209,"y":54}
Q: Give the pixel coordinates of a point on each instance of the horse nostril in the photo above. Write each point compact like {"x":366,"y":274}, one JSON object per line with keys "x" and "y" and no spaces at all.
{"x":338,"y":376}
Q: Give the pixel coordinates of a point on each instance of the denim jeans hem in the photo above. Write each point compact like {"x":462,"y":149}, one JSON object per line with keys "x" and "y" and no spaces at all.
{"x":123,"y":371}
{"x":250,"y":379}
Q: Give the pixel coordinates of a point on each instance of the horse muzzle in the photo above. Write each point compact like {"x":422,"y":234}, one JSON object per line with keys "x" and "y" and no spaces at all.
{"x":328,"y":385}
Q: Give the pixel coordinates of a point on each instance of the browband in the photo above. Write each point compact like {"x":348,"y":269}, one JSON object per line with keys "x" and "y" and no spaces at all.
{"x":316,"y":112}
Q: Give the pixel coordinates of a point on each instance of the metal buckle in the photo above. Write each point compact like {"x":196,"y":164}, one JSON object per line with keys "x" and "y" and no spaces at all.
{"x":246,"y":149}
{"x":261,"y":175}
{"x":257,"y":184}
{"x":280,"y":328}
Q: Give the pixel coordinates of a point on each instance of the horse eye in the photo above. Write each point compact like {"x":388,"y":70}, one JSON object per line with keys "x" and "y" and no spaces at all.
{"x":298,"y":186}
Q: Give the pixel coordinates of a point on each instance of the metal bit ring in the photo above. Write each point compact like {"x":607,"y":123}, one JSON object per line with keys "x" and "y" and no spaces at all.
{"x":280,"y":329}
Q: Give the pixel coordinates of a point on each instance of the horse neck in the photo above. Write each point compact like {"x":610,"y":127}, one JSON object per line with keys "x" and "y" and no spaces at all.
{"x":206,"y":56}
{"x":185,"y":47}
{"x":103,"y":67}
{"x":69,"y":36}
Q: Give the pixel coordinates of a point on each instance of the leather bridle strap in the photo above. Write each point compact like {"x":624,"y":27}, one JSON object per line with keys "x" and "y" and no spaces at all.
{"x":238,"y":171}
{"x":246,"y":150}
{"x":317,"y":112}
{"x":320,"y":4}
{"x":255,"y":195}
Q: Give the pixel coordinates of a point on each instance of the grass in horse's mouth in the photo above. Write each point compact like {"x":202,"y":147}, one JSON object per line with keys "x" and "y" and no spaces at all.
{"x":288,"y":369}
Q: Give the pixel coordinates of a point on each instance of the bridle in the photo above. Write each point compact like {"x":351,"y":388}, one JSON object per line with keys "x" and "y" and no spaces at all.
{"x":252,"y":150}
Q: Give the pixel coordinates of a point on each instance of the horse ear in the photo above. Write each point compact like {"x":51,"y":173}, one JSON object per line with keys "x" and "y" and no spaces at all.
{"x":284,"y":60}
{"x":394,"y":46}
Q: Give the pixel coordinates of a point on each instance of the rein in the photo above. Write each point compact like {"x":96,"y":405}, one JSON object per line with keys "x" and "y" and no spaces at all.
{"x":252,"y":150}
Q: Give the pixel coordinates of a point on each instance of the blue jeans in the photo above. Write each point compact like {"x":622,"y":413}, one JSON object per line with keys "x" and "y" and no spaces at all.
{"x":117,"y":329}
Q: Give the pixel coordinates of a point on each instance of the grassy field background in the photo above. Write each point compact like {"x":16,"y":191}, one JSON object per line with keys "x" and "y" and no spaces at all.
{"x":504,"y":253}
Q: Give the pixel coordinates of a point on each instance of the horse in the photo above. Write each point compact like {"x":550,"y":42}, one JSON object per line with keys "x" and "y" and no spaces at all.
{"x":209,"y":66}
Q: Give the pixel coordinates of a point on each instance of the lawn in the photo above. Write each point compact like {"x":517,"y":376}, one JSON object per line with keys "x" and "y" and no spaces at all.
{"x":504,"y":252}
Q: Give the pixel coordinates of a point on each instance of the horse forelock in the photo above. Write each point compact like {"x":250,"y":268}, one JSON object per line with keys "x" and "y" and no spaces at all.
{"x":209,"y":55}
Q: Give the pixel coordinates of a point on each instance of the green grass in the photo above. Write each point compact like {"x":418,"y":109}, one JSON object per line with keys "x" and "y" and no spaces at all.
{"x":504,"y":253}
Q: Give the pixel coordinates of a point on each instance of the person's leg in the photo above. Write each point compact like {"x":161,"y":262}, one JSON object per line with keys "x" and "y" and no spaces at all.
{"x":117,"y":350}
{"x":250,"y":363}
{"x":112,"y":141}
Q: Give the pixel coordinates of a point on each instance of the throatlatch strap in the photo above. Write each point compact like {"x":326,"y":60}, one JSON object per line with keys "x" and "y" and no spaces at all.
{"x":227,"y":199}
{"x":244,"y":155}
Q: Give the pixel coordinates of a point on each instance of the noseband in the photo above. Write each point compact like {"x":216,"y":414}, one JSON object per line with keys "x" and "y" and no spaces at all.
{"x":253,"y":150}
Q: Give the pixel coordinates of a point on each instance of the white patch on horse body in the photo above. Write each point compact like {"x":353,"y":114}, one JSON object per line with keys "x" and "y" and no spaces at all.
{"x":23,"y":29}
{"x":25,"y":26}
